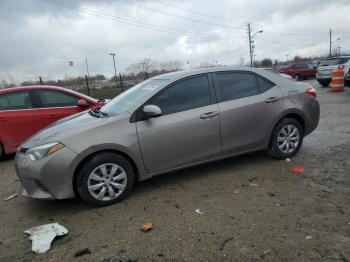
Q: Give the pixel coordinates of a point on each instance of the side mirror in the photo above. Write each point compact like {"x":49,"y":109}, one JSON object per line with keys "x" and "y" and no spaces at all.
{"x":82,"y":103}
{"x":151,"y":111}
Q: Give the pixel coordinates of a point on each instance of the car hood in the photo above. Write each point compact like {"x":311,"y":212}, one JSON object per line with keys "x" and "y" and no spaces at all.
{"x":65,"y":128}
{"x":326,"y":68}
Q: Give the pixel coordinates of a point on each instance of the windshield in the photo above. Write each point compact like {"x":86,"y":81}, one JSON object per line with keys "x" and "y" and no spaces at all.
{"x":132,"y":96}
{"x":335,"y":61}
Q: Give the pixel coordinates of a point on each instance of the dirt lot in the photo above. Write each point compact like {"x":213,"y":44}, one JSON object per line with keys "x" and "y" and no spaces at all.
{"x":281,"y":216}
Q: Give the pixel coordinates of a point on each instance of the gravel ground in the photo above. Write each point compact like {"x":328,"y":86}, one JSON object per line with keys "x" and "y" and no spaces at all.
{"x":254,"y":208}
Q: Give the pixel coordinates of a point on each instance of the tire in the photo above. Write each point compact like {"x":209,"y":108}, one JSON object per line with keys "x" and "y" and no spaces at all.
{"x":97,"y":173}
{"x":297,"y":78}
{"x":324,"y":83}
{"x":1,"y":151}
{"x":277,"y":135}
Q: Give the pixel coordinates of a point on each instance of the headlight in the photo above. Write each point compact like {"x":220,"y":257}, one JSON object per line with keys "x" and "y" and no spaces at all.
{"x":39,"y":152}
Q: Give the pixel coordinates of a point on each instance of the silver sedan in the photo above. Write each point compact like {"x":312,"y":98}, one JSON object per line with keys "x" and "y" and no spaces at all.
{"x":168,"y":122}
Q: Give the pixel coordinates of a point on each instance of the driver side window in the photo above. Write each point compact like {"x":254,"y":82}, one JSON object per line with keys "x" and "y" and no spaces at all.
{"x":185,"y":95}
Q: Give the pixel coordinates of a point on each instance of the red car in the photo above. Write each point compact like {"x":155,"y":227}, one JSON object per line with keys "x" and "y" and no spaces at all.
{"x":299,"y":71}
{"x":26,"y":110}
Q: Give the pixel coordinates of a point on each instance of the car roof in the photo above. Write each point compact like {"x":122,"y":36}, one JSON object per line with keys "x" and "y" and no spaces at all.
{"x":191,"y":72}
{"x":44,"y":87}
{"x":35,"y":87}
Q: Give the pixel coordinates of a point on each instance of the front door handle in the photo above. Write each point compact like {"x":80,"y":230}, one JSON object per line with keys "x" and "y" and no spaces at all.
{"x":209,"y":115}
{"x":272,"y":99}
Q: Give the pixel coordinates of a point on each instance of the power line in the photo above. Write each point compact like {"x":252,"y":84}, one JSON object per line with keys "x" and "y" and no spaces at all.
{"x":193,"y":12}
{"x":138,"y":23}
{"x":126,"y":2}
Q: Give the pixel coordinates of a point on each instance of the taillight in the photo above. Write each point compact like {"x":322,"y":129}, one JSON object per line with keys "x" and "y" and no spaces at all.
{"x":341,"y":67}
{"x":311,"y":91}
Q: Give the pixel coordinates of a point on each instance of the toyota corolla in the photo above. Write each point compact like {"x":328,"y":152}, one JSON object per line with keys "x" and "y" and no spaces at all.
{"x":166,"y":123}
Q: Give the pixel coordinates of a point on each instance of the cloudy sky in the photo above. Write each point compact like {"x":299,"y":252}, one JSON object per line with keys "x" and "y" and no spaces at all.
{"x":40,"y":37}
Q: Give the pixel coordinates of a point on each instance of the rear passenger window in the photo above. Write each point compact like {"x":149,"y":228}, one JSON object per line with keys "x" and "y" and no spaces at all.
{"x":15,"y":101}
{"x":57,"y":99}
{"x":235,"y":85}
{"x":264,"y":84}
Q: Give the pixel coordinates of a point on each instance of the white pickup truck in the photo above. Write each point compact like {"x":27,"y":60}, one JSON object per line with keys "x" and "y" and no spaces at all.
{"x":324,"y":71}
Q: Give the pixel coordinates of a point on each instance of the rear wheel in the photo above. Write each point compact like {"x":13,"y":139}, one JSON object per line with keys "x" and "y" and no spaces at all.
{"x":105,"y":179}
{"x":297,"y":77}
{"x":1,"y":151}
{"x":324,"y":83}
{"x":287,"y":138}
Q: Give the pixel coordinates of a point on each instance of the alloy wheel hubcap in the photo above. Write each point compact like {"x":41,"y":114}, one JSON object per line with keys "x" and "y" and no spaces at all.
{"x":288,"y":139}
{"x":107,"y":181}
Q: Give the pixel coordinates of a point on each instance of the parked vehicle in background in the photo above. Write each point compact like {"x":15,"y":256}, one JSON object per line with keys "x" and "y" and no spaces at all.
{"x":26,"y":110}
{"x":168,"y":122}
{"x":276,"y":72}
{"x":324,"y":72}
{"x":300,"y":71}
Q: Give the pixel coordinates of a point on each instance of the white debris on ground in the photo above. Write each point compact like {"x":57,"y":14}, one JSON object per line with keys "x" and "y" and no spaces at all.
{"x":42,"y":236}
{"x":198,"y":211}
{"x":10,"y":197}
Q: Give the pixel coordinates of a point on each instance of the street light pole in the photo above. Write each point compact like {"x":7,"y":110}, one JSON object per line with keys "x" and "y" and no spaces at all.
{"x":287,"y":57}
{"x":115,"y":70}
{"x":251,"y":41}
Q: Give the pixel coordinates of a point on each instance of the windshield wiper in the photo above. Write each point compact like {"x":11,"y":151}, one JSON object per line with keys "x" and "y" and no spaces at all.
{"x":97,"y":112}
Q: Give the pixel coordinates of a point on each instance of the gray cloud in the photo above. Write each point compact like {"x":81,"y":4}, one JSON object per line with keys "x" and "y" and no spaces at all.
{"x":39,"y":37}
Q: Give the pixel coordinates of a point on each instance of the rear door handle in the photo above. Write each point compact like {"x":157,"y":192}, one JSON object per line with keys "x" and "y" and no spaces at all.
{"x":272,"y":99}
{"x":209,"y":115}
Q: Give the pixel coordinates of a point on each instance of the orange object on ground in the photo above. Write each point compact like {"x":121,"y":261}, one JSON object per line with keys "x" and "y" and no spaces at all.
{"x":298,"y":170}
{"x":146,"y":226}
{"x":337,"y":84}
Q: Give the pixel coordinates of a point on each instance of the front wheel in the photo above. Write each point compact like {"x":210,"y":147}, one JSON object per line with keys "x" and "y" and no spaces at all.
{"x":287,"y":138}
{"x":297,"y":78}
{"x":104,"y":179}
{"x":1,"y":151}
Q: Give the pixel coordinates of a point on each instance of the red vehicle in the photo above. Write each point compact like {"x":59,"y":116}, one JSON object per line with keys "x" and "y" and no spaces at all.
{"x":26,"y":110}
{"x":299,"y":71}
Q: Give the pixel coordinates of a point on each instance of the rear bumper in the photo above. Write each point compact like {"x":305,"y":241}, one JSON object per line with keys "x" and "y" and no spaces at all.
{"x":48,"y":178}
{"x":313,"y":116}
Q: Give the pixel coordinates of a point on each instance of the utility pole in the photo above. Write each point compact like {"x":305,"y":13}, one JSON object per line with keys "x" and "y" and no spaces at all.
{"x":249,"y":31}
{"x":144,"y":69}
{"x":115,"y":70}
{"x":330,"y":42}
{"x":287,"y":57}
{"x":87,"y":67}
{"x":87,"y":85}
{"x":121,"y":82}
{"x":40,"y":80}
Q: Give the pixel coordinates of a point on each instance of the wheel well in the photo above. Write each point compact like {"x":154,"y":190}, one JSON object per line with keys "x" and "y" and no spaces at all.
{"x":82,"y":162}
{"x":294,"y":116}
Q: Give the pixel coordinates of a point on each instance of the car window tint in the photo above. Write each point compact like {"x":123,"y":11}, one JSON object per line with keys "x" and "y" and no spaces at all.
{"x":56,"y":99}
{"x":187,"y":94}
{"x":264,"y":84}
{"x":236,"y":85}
{"x":15,"y":101}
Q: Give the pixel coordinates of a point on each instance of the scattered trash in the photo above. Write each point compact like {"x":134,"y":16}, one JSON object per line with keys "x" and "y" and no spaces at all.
{"x":222,"y":246}
{"x":254,"y":178}
{"x":263,"y":255}
{"x":10,"y":197}
{"x":253,"y":184}
{"x":271,"y":194}
{"x":42,"y":236}
{"x":236,"y":191}
{"x":288,"y":159}
{"x":308,"y":237}
{"x":198,"y":211}
{"x":82,"y":252}
{"x":298,"y":170}
{"x":146,"y":227}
